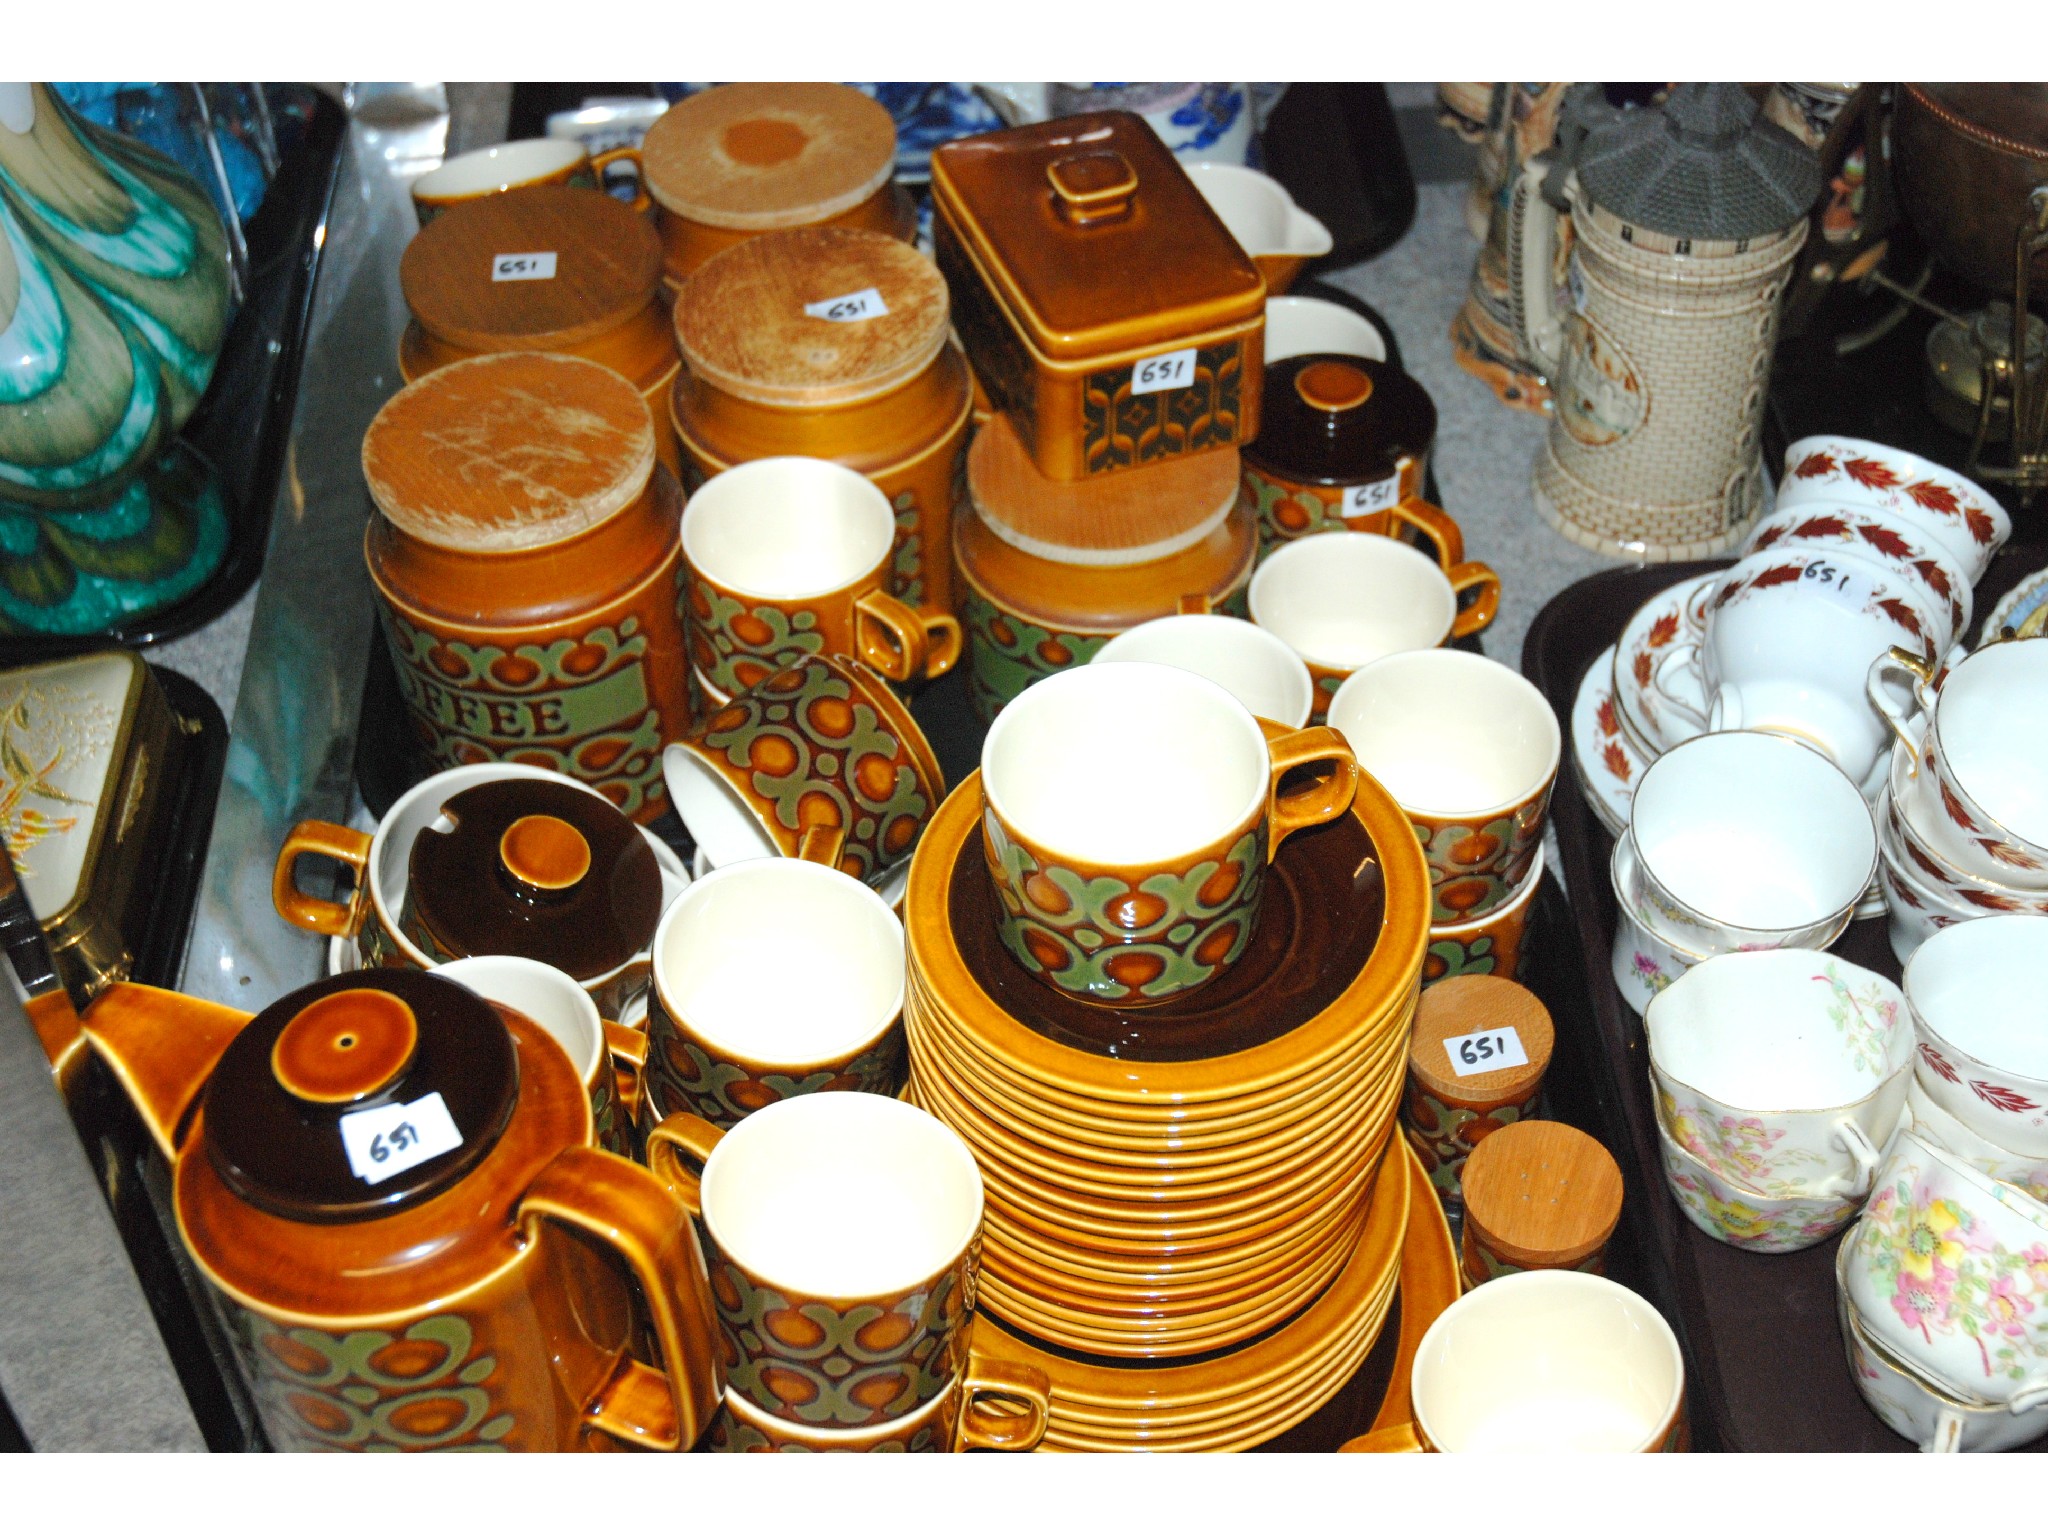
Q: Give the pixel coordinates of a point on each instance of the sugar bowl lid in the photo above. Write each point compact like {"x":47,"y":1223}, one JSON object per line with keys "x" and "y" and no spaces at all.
{"x":750,"y":321}
{"x":279,"y":1107}
{"x":510,"y":452}
{"x":1338,"y":419}
{"x":607,"y":268}
{"x":543,"y":870}
{"x":767,"y":155}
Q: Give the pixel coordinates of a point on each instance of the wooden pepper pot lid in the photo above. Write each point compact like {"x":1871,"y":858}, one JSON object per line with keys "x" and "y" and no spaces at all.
{"x":763,"y":155}
{"x":1465,"y":1015}
{"x":1129,"y":518}
{"x":1541,"y":1195}
{"x":508,"y":453}
{"x":607,"y":268}
{"x":540,"y":870}
{"x":1334,"y":419}
{"x":756,"y":320}
{"x":277,"y":1097}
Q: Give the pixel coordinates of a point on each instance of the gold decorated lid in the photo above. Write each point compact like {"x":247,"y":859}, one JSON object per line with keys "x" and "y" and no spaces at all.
{"x":749,"y":320}
{"x":509,"y":452}
{"x":766,"y":155}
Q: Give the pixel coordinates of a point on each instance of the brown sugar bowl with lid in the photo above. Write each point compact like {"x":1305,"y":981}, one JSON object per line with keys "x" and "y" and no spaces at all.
{"x":389,"y":1186}
{"x":1050,"y":572}
{"x":1344,"y":443}
{"x":526,"y":548}
{"x":774,"y":370}
{"x":543,"y":269}
{"x":740,"y":160}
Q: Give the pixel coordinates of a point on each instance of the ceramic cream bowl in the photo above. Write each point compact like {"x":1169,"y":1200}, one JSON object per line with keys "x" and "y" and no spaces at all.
{"x":1782,"y":1069}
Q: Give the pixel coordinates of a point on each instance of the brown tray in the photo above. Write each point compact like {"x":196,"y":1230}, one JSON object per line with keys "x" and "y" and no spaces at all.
{"x":1764,"y":1361}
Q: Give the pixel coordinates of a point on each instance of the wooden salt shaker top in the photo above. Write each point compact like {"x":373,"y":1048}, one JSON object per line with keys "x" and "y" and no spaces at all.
{"x":1541,"y":1194}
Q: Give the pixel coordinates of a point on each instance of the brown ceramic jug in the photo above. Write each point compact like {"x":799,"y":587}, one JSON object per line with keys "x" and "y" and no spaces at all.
{"x":389,"y":1184}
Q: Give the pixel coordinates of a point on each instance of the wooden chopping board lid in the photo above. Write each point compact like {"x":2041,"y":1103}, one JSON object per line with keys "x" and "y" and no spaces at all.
{"x":607,"y":269}
{"x":1542,"y":1194}
{"x":509,"y":452}
{"x":766,"y":155}
{"x":742,"y":326}
{"x":1122,"y":519}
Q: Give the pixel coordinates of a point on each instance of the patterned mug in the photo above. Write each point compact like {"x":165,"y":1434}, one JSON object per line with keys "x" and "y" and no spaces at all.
{"x":1129,"y":812}
{"x":790,"y":558}
{"x":844,"y":1236}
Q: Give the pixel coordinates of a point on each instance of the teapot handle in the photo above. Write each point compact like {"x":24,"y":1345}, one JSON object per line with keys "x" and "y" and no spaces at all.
{"x":1532,"y":259}
{"x":625,"y":1208}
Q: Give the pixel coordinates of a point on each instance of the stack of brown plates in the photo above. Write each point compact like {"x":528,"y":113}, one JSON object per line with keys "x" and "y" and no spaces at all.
{"x":1176,"y":1180}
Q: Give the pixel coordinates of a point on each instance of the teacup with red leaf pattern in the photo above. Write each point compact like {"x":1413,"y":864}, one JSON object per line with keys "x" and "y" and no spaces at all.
{"x":1974,"y":992}
{"x":1959,"y":513}
{"x":1878,"y":534}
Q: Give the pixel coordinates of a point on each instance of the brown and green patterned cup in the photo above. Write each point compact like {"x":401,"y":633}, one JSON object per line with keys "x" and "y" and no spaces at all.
{"x":844,"y":1247}
{"x":791,"y":558}
{"x":957,"y":1420}
{"x":1129,"y":812}
{"x":823,"y":743}
{"x":773,"y":978}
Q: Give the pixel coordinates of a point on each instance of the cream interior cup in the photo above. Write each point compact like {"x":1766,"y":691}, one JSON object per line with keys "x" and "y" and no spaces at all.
{"x":550,"y":997}
{"x":781,"y":961}
{"x":1257,"y":668}
{"x":1449,"y":732}
{"x":1126,"y":762}
{"x":1547,"y":1360}
{"x":499,"y":167}
{"x":842,"y":1194}
{"x":1993,"y":719}
{"x":719,"y":818}
{"x":1344,"y":599}
{"x":1258,"y":212}
{"x":1297,"y":324}
{"x":787,"y":528}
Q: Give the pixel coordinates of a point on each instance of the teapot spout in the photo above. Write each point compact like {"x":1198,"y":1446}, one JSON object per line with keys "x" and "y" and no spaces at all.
{"x":161,"y":1047}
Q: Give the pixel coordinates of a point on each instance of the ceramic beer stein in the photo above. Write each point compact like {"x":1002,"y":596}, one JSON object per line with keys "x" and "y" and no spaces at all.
{"x":1688,"y":218}
{"x":390,"y":1187}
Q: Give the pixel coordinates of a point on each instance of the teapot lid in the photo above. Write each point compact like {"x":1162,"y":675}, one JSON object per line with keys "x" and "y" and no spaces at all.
{"x":279,"y":1111}
{"x":1334,"y":418}
{"x":1707,"y":165}
{"x":543,"y":870}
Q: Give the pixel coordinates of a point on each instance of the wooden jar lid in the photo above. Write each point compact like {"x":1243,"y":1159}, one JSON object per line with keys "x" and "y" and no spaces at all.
{"x":1541,"y":1194}
{"x":1122,"y":519}
{"x":1466,"y":1005}
{"x":607,"y":269}
{"x":508,"y":452}
{"x":763,"y":155}
{"x":741,"y":326}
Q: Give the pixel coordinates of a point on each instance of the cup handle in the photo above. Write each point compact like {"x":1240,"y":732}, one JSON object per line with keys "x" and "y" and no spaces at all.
{"x":345,"y":844}
{"x":1947,"y":1438}
{"x":1920,"y":670}
{"x":676,"y":1152}
{"x":982,"y":1430}
{"x":642,"y":201}
{"x":822,"y":844}
{"x":1395,"y":1438}
{"x":627,"y":1049}
{"x":1476,"y":615}
{"x":1435,"y":525}
{"x":901,"y":643}
{"x":1325,"y":799}
{"x":1852,"y":1139}
{"x":1679,"y":655}
{"x":625,"y":1208}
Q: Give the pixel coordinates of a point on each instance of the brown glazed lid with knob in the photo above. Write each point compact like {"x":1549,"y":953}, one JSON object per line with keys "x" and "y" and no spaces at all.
{"x":764,"y":155}
{"x":741,"y":323}
{"x":536,"y":869}
{"x":1332,"y":419}
{"x":355,"y":1042}
{"x":1541,"y":1194}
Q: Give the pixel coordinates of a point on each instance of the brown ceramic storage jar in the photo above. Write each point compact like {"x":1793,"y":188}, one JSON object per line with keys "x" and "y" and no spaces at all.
{"x":1105,"y":307}
{"x":526,"y":547}
{"x":1051,"y":572}
{"x":886,"y":395}
{"x":542,"y":269}
{"x":739,"y":160}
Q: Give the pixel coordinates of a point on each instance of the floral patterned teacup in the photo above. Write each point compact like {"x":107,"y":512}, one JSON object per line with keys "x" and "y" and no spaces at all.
{"x":1948,"y":1269}
{"x":773,"y":978}
{"x":1968,"y":522}
{"x":1469,"y":750}
{"x":1784,"y":1070}
{"x":1974,"y":992}
{"x":1129,"y":812}
{"x":790,"y":558}
{"x":1740,"y":1217}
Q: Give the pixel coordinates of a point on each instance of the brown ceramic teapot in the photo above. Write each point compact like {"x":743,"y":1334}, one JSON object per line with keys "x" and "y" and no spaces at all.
{"x":389,"y":1184}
